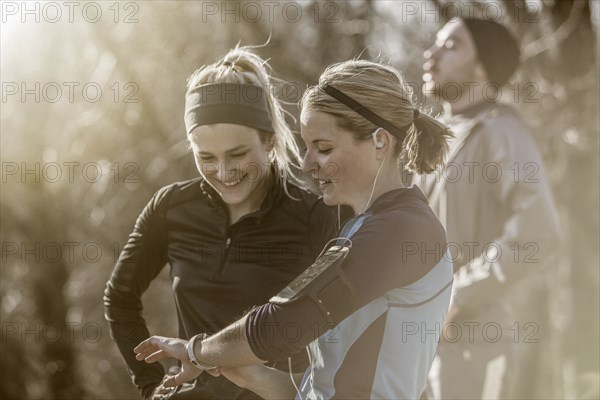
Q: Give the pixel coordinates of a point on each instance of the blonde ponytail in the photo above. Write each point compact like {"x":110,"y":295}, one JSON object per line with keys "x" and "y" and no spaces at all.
{"x":425,"y":146}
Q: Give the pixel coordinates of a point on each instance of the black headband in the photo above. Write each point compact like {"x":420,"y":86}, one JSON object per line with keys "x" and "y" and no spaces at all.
{"x":227,"y":103}
{"x":354,"y":105}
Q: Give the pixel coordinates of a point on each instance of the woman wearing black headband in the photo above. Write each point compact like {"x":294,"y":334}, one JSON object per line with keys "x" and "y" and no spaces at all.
{"x":233,"y":236}
{"x":371,"y":308}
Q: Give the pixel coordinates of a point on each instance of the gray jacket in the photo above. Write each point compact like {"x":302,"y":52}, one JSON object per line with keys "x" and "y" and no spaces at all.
{"x":494,"y":200}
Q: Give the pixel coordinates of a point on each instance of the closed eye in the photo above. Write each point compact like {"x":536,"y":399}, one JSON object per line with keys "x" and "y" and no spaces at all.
{"x":206,"y":158}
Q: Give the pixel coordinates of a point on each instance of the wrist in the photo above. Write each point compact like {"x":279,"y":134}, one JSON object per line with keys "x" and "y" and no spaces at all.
{"x":193,"y":347}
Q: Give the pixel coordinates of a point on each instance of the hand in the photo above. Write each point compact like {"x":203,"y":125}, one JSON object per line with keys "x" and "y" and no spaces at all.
{"x":158,"y":347}
{"x":160,"y":392}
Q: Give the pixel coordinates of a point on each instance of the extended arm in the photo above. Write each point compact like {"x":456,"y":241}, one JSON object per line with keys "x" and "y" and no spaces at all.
{"x":230,"y":350}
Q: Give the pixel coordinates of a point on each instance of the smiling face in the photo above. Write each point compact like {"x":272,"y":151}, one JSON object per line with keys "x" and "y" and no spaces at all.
{"x":343,"y":167}
{"x":234,"y":161}
{"x":451,"y":61}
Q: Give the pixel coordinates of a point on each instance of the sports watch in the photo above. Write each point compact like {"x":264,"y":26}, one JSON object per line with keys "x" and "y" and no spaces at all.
{"x":190,"y":350}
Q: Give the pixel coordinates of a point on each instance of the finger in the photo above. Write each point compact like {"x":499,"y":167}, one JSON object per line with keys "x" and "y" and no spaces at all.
{"x":173,"y":370}
{"x":172,"y":381}
{"x":181,"y":377}
{"x":155,"y":343}
{"x":142,"y":345}
{"x":157,"y":355}
{"x":146,"y":352}
{"x":151,"y":341}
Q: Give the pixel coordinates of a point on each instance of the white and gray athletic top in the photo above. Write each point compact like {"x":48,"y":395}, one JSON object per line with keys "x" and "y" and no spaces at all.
{"x":402,"y":276}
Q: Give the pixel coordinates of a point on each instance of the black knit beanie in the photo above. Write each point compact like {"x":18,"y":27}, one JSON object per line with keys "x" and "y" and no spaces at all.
{"x":497,"y":49}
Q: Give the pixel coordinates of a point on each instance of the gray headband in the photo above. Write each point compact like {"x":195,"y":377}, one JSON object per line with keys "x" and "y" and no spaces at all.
{"x":227,"y":103}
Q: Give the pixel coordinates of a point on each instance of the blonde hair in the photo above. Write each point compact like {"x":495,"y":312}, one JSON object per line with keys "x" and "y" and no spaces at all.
{"x":382,"y":89}
{"x":242,"y":65}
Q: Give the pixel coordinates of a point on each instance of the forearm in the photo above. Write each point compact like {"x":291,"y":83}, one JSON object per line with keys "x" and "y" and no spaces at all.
{"x":228,"y":348}
{"x":127,"y":328}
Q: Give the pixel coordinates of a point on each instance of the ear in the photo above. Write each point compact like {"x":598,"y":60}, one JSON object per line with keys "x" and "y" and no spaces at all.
{"x":378,"y":143}
{"x":383,"y":141}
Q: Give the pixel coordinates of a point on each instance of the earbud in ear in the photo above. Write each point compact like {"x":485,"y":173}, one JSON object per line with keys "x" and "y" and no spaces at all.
{"x":378,"y":144}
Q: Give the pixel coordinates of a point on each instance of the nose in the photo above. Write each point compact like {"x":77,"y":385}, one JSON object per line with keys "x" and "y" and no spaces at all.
{"x":228,"y":170}
{"x":309,"y":164}
{"x":222,"y":169}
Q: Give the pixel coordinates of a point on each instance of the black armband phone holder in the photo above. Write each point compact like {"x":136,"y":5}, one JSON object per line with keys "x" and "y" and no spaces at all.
{"x":325,"y":283}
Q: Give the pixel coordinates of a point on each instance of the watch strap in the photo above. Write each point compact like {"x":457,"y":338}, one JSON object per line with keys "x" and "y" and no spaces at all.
{"x":190,"y":350}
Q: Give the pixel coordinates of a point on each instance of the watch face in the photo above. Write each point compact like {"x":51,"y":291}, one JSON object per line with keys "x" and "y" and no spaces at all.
{"x":331,"y":257}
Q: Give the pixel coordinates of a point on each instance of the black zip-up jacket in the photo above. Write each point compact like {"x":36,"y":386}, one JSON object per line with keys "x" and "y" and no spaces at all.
{"x":218,"y":271}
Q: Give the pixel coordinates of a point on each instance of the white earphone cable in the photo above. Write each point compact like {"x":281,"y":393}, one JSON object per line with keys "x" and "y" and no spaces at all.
{"x":374,"y":134}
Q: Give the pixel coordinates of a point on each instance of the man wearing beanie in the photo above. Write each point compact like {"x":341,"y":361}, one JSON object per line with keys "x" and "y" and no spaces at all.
{"x":494,"y":200}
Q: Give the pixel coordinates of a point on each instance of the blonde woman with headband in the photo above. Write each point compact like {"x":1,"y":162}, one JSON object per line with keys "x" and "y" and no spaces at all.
{"x":233,"y":236}
{"x":371,"y":308}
